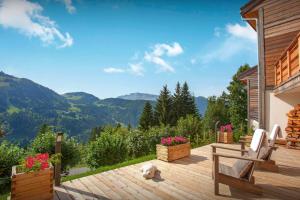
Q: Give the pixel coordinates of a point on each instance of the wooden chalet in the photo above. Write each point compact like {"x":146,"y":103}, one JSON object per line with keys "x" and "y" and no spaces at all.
{"x":277,"y":23}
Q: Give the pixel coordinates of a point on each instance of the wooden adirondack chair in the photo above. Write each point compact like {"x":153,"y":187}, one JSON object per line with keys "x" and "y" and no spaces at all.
{"x":240,"y":175}
{"x":266,"y":150}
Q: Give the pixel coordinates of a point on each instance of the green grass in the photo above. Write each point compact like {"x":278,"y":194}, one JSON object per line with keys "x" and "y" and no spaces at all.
{"x":5,"y":193}
{"x":110,"y":167}
{"x":12,"y":109}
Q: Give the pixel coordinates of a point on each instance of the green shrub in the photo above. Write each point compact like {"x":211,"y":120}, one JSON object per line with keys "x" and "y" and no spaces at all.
{"x":137,"y":144}
{"x":190,"y":127}
{"x":154,"y":135}
{"x":45,"y":143}
{"x":10,"y":155}
{"x":107,"y":149}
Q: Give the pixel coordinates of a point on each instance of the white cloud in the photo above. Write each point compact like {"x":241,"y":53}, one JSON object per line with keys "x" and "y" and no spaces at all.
{"x":136,"y":68}
{"x":217,"y":32}
{"x":26,"y":17}
{"x":239,"y":39}
{"x":69,"y":6}
{"x":239,"y":31}
{"x":112,"y":70}
{"x":160,"y":50}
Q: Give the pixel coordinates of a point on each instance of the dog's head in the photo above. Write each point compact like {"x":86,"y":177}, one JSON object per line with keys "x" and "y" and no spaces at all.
{"x":148,"y":170}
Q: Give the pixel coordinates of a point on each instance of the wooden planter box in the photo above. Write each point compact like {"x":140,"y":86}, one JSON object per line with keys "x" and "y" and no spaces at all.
{"x":225,"y":137}
{"x":32,"y":185}
{"x":170,"y":153}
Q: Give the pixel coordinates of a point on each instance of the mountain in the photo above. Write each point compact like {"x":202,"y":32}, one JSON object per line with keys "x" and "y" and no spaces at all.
{"x":26,"y":105}
{"x":201,"y":102}
{"x":139,"y":96}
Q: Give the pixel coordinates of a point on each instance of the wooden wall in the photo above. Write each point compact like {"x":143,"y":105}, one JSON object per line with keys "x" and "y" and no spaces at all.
{"x":281,"y":26}
{"x":253,"y":96}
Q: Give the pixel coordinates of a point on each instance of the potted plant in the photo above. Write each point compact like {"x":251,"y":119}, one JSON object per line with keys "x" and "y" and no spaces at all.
{"x":33,"y":179}
{"x":173,"y":148}
{"x":225,"y":135}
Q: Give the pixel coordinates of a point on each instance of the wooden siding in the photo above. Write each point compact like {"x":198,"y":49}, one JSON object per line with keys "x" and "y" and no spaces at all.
{"x":281,"y":26}
{"x":288,"y":64}
{"x":187,"y":178}
{"x":253,"y":96}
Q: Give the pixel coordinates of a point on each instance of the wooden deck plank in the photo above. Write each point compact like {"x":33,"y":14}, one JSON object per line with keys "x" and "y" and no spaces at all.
{"x":188,"y":178}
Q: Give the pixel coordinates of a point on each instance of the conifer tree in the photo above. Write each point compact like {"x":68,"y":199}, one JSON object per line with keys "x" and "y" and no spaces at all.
{"x":188,"y":101}
{"x":163,"y":107}
{"x":177,"y":110}
{"x":146,"y":119}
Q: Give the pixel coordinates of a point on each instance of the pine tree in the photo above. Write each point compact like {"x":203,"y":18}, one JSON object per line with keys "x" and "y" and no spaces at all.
{"x":163,"y":108}
{"x":146,"y":119}
{"x":177,"y":111}
{"x":188,"y":101}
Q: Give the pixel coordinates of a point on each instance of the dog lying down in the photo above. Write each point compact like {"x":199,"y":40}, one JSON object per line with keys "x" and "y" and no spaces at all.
{"x":149,"y":170}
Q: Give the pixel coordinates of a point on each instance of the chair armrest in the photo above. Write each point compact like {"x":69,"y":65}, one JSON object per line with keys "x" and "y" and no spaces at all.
{"x":228,"y":148}
{"x":238,"y":157}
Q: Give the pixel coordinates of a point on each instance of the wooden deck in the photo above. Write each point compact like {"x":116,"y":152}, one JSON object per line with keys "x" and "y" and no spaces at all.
{"x":188,"y":178}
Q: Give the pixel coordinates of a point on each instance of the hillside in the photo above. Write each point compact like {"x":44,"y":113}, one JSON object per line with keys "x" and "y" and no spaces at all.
{"x":26,"y":105}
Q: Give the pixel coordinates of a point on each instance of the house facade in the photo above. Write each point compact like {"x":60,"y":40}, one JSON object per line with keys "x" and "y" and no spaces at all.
{"x":277,"y":23}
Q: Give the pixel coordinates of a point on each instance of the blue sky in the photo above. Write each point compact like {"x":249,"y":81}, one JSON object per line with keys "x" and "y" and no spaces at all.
{"x":111,"y":48}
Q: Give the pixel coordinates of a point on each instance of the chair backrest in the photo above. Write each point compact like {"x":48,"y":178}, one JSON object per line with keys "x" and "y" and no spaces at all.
{"x":258,"y":138}
{"x":243,"y":168}
{"x":276,"y":132}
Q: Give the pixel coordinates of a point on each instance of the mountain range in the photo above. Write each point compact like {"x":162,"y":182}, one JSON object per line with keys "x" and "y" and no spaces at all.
{"x":26,"y":105}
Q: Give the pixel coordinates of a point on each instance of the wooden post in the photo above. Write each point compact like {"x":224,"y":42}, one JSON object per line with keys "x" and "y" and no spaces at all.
{"x":288,"y":63}
{"x":299,"y":53}
{"x":280,"y":70}
{"x":242,"y":148}
{"x":216,"y":174}
{"x":261,"y":68}
{"x":57,"y":172}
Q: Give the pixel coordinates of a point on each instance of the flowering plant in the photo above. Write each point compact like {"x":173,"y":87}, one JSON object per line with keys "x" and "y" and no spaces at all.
{"x":171,"y":141}
{"x":226,"y":128}
{"x":39,"y":162}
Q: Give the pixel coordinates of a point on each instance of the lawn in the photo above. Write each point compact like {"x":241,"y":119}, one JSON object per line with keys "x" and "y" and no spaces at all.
{"x":110,"y":167}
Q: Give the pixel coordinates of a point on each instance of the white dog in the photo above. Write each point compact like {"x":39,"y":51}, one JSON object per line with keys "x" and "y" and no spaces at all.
{"x":148,"y":170}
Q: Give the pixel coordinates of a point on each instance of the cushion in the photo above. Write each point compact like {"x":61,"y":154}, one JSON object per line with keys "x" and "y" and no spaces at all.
{"x":227,"y":170}
{"x":256,"y":139}
{"x":276,"y":131}
{"x":242,"y":168}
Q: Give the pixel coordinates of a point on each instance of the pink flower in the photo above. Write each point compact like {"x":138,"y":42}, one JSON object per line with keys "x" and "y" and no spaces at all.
{"x":168,"y":141}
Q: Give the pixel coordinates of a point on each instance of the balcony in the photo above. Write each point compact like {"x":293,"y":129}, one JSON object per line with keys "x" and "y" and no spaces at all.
{"x":187,"y":178}
{"x":288,"y":67}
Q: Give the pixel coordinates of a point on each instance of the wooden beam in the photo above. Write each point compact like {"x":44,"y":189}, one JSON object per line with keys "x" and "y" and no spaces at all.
{"x":248,"y":103}
{"x":288,"y":63}
{"x":261,"y":68}
{"x":280,"y":70}
{"x":299,"y":53}
{"x":216,"y":174}
{"x":57,"y":172}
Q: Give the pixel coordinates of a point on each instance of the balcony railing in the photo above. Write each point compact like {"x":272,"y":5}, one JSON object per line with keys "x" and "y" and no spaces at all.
{"x":289,"y":64}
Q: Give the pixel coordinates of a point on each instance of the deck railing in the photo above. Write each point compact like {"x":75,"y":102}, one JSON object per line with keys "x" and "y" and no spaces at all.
{"x":289,"y":63}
